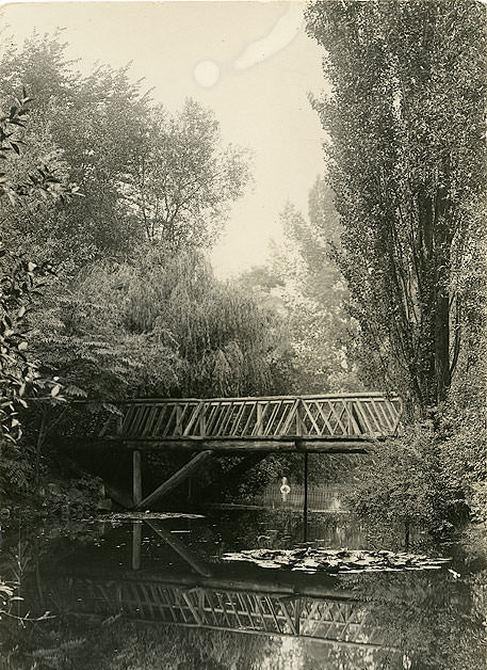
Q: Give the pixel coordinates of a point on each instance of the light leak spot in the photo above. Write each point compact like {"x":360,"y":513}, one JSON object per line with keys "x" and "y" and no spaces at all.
{"x":206,"y":73}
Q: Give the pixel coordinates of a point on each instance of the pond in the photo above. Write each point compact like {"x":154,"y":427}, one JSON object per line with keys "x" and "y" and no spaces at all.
{"x":158,"y":593}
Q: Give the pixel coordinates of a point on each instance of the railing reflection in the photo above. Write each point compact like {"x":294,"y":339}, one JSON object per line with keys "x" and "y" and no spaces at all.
{"x":203,"y":596}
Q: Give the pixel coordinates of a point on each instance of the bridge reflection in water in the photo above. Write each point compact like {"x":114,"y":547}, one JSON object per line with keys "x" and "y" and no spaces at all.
{"x":225,"y":597}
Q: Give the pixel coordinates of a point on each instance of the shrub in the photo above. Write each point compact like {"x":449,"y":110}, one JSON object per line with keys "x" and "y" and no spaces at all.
{"x":405,"y":481}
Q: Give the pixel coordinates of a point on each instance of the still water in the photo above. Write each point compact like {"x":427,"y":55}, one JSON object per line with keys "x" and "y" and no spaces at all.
{"x":156,"y":594}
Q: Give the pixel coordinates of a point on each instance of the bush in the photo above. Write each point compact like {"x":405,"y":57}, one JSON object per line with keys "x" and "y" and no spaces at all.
{"x":464,"y":458}
{"x":406,"y":481}
{"x":73,"y":498}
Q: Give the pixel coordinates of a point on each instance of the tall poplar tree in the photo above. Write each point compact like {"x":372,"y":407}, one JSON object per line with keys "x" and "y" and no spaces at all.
{"x":407,"y":160}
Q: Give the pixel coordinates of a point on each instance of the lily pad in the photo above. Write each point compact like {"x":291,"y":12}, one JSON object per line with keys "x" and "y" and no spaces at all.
{"x":143,"y":516}
{"x":336,"y":561}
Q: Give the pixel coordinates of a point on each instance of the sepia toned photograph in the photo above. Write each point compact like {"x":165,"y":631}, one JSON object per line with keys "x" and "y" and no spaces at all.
{"x":243,"y":335}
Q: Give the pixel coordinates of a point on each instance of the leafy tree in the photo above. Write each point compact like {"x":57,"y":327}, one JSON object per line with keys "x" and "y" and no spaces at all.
{"x":181,"y":182}
{"x":406,"y":483}
{"x":145,"y":174}
{"x":135,"y":311}
{"x":315,"y":239}
{"x":161,"y":325}
{"x":19,"y":291}
{"x":313,"y":296}
{"x":19,"y":276}
{"x":407,"y":163}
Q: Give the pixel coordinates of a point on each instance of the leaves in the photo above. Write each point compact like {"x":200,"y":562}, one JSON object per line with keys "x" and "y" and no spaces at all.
{"x":182,"y":180}
{"x":314,"y":296}
{"x":336,"y":561}
{"x":160,"y":325}
{"x":144,"y":174}
{"x":20,"y":281}
{"x":406,"y":160}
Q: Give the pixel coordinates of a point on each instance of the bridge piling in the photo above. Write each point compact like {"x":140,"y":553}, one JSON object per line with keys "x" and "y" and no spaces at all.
{"x":305,"y":503}
{"x":136,"y":544}
{"x":137,"y":478}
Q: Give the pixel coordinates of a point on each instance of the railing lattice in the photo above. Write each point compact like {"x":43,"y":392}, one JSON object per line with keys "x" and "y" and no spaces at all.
{"x":372,"y":415}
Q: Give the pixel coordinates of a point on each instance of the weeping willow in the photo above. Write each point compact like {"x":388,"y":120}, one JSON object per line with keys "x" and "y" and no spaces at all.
{"x":183,"y":332}
{"x":226,"y":342}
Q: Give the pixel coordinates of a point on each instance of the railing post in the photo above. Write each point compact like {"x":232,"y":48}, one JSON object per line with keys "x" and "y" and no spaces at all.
{"x":202,"y":422}
{"x":259,"y":418}
{"x":305,"y":502}
{"x":297,"y":615}
{"x":179,"y":414}
{"x":299,"y":443}
{"x":299,"y":417}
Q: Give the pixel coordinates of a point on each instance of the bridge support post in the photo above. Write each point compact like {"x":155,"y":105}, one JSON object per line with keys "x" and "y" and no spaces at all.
{"x":299,"y":433}
{"x":136,"y":478}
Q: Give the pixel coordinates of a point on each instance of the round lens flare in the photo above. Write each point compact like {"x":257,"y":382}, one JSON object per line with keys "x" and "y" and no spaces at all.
{"x":207,"y":73}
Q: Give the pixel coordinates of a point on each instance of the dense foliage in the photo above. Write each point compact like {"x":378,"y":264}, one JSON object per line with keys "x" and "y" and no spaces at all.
{"x":145,"y":173}
{"x":134,"y":300}
{"x":407,"y":162}
{"x":161,"y":325}
{"x":20,"y":291}
{"x":19,"y":276}
{"x":315,"y":296}
{"x":304,"y":283}
{"x":133,"y":308}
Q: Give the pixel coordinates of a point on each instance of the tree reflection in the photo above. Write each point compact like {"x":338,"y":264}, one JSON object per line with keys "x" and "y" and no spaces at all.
{"x":434,"y":620}
{"x":401,"y":621}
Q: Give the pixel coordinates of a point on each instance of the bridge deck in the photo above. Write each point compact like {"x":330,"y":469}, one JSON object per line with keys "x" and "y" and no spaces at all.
{"x":270,"y":423}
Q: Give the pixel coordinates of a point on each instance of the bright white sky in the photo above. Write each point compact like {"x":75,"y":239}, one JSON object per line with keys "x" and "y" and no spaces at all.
{"x":251,"y":62}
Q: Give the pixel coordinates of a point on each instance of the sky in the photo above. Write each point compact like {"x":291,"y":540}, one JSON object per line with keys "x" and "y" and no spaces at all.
{"x":251,"y":62}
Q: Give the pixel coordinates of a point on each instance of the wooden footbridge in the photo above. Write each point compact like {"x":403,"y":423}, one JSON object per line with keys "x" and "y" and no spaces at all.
{"x":313,"y":423}
{"x":251,"y":427}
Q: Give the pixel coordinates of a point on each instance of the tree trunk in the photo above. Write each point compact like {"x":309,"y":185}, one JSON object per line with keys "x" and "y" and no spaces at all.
{"x":442,"y":346}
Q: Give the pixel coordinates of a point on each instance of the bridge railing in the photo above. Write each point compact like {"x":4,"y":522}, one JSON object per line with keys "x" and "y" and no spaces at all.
{"x":325,"y":416}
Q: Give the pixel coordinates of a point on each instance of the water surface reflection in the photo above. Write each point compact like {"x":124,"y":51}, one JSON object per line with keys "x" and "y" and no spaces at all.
{"x":156,"y":594}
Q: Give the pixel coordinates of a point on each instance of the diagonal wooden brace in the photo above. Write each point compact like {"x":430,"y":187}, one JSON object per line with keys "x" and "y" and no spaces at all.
{"x":192,"y":560}
{"x":174,"y":480}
